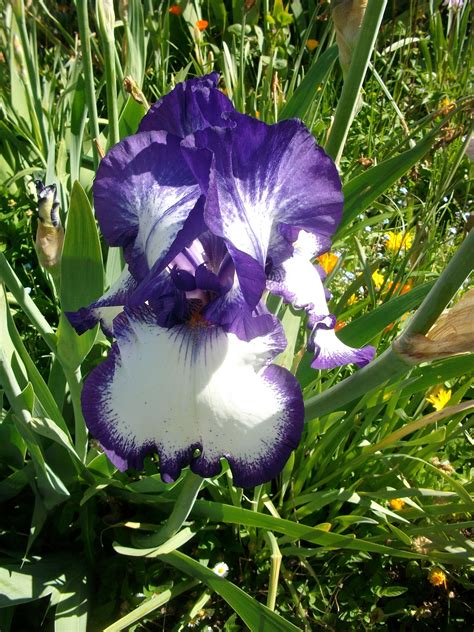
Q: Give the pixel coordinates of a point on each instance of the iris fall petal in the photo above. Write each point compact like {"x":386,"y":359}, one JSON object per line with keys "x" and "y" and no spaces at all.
{"x":181,"y":390}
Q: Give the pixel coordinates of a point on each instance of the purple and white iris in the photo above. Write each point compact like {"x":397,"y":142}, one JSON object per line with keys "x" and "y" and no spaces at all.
{"x":212,"y":209}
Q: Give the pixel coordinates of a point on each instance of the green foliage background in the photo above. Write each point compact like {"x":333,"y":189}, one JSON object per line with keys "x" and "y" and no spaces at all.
{"x":85,"y":547}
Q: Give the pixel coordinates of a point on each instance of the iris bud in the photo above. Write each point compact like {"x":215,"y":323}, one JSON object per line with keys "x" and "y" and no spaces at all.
{"x":50,"y":232}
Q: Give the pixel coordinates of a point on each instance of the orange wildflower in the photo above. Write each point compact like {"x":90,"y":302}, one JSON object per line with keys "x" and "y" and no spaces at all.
{"x":202,"y":25}
{"x":339,"y":325}
{"x":328,"y":261}
{"x":311,"y":44}
{"x":405,"y":288}
{"x":175,"y":9}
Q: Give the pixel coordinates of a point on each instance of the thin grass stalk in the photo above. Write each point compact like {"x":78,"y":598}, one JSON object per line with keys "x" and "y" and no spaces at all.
{"x":106,"y":21}
{"x":347,"y":105}
{"x":33,"y":73}
{"x":391,"y":364}
{"x":242,"y":63}
{"x":84,"y":31}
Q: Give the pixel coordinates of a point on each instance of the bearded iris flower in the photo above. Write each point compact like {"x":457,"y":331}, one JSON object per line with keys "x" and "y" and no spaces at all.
{"x":213,"y":209}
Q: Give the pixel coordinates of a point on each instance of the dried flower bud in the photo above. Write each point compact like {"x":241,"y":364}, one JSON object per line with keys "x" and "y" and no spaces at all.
{"x":452,"y":333}
{"x":49,"y":233}
{"x":347,"y":16}
{"x":132,"y":87}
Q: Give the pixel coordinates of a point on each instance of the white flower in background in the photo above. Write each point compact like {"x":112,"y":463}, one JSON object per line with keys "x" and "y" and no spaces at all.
{"x":221,"y":569}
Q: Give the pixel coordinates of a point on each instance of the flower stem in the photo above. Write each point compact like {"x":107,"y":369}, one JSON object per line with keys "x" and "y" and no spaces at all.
{"x":391,"y":364}
{"x":347,"y":105}
{"x":275,"y":564}
{"x":74,"y":380}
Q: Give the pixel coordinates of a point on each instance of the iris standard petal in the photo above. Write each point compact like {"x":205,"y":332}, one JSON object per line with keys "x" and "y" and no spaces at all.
{"x":187,"y":389}
{"x":144,"y":194}
{"x":191,"y":106}
{"x":105,"y":308}
{"x":265,"y":179}
{"x":299,"y":282}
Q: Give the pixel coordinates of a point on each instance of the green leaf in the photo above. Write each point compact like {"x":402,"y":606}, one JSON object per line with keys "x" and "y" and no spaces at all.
{"x":169,"y":546}
{"x":148,"y":606}
{"x":254,"y":614}
{"x":220,"y":14}
{"x":427,"y":376}
{"x":361,"y":191}
{"x":392,"y":591}
{"x":12,"y":446}
{"x":42,"y":392}
{"x":291,"y":323}
{"x":130,"y":118}
{"x":304,"y":95}
{"x":359,"y":332}
{"x":61,"y":577}
{"x":82,"y":276}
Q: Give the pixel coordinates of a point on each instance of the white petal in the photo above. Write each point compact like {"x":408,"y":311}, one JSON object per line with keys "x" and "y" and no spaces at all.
{"x":177,"y":390}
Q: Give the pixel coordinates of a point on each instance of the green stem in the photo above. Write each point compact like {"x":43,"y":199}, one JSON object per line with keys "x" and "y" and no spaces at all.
{"x":451,"y":279}
{"x":242,"y":63}
{"x":184,"y":503}
{"x":347,"y":105}
{"x":391,"y":364}
{"x":106,"y":30}
{"x":33,"y":314}
{"x":84,"y":31}
{"x":74,"y":380}
{"x":275,"y":564}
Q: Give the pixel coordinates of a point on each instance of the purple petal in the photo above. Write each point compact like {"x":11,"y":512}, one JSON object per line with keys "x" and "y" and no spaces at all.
{"x":265,"y":180}
{"x":143,"y":195}
{"x":191,"y":106}
{"x":174,"y":391}
{"x":330,"y":352}
{"x":105,"y":308}
{"x":299,"y":282}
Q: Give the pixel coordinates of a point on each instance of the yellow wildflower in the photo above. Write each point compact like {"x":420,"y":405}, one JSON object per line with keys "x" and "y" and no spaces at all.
{"x":398,"y":241}
{"x":437,"y":577}
{"x":378,"y":279}
{"x":439,"y":397}
{"x":396,"y":503}
{"x":352,"y":300}
{"x":311,"y":44}
{"x":328,"y":261}
{"x":446,"y":105}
